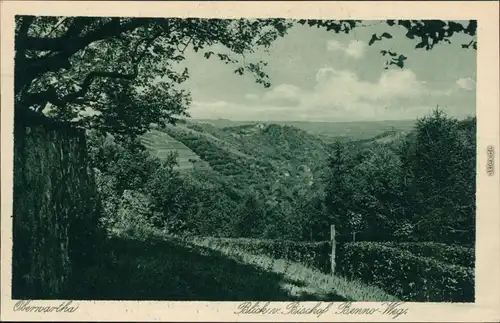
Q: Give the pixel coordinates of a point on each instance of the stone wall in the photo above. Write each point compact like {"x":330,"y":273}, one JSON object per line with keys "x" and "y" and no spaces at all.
{"x":55,"y":209}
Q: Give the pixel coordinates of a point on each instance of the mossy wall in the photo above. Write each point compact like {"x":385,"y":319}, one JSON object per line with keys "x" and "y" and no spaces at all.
{"x":55,"y":209}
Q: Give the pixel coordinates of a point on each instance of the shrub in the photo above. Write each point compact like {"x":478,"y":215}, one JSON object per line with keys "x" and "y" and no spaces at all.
{"x":406,"y":275}
{"x":314,"y":255}
{"x":451,"y":254}
{"x":133,"y":217}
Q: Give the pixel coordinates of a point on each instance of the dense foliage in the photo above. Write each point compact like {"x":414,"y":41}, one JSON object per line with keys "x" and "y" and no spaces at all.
{"x":406,"y":275}
{"x":126,"y":71}
{"x":450,"y":254}
{"x":120,"y":75}
{"x":419,"y":187}
{"x":262,"y":182}
{"x":229,"y":193}
{"x":394,"y":190}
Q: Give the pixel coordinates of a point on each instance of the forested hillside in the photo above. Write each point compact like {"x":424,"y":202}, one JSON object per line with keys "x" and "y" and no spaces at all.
{"x":328,"y":131}
{"x":280,"y":182}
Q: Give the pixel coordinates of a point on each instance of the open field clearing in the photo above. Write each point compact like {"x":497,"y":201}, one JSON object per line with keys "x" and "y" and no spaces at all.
{"x":160,"y":144}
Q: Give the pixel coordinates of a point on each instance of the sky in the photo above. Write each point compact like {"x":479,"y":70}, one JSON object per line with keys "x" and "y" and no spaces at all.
{"x":318,"y":75}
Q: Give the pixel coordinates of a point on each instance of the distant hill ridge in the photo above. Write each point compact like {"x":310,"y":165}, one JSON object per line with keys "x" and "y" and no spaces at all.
{"x":252,"y":154}
{"x":326,"y":130}
{"x":282,"y":145}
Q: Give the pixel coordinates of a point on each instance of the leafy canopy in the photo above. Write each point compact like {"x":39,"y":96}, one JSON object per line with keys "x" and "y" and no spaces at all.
{"x":119,"y":75}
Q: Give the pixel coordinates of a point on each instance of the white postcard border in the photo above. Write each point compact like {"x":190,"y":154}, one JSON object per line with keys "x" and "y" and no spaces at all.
{"x":487,"y":306}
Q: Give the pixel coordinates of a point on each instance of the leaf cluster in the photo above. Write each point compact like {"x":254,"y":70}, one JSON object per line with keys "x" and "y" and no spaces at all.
{"x":113,"y":73}
{"x":452,"y":254}
{"x":415,"y":187}
{"x":403,"y":274}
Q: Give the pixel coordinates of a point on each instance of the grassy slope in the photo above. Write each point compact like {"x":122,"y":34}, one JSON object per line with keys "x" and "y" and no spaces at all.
{"x":161,"y":145}
{"x":271,"y":149}
{"x":309,"y":282}
{"x":207,"y":135}
{"x":169,"y":269}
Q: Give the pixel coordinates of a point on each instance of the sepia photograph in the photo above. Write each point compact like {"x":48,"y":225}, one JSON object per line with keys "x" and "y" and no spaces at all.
{"x":244,"y":159}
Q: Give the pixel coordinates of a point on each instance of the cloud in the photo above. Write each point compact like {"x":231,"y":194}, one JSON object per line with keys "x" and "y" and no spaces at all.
{"x":343,"y":86}
{"x":251,"y":96}
{"x":354,"y":49}
{"x":466,"y":83}
{"x":283,"y":95}
{"x":441,"y":92}
{"x":341,"y":94}
{"x":338,"y":95}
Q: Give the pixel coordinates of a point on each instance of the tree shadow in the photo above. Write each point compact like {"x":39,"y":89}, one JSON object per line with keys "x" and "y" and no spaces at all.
{"x":165,"y":270}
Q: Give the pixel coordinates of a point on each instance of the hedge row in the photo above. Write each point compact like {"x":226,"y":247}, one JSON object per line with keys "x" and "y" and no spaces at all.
{"x":405,"y":275}
{"x":314,"y":255}
{"x":451,"y":254}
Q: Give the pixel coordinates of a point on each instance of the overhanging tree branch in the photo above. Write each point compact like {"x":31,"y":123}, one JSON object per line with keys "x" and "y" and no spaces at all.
{"x":112,"y":28}
{"x":148,"y":43}
{"x":25,"y":25}
{"x":50,"y":95}
{"x":65,"y":46}
{"x":20,"y":49}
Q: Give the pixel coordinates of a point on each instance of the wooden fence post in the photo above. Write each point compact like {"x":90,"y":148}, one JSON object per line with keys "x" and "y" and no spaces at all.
{"x":332,"y":238}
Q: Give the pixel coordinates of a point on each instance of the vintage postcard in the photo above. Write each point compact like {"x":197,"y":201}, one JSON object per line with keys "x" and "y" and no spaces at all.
{"x":246,"y":161}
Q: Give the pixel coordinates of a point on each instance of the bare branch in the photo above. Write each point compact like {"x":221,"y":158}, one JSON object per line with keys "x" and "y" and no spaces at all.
{"x":185,"y":45}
